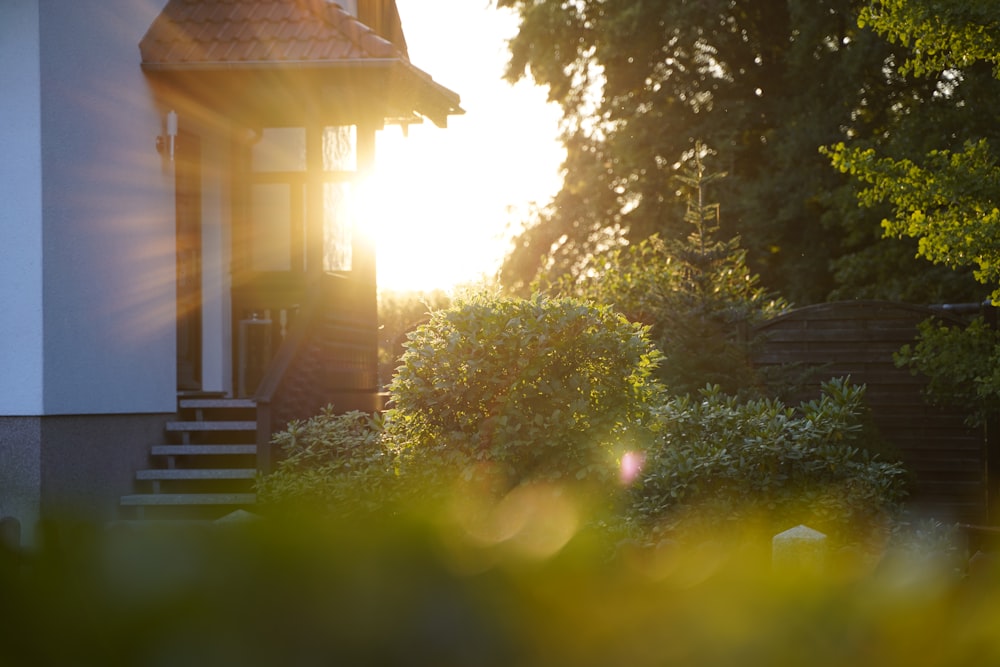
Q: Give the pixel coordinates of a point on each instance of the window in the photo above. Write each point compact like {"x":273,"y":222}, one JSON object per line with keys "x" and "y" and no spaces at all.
{"x":278,"y":233}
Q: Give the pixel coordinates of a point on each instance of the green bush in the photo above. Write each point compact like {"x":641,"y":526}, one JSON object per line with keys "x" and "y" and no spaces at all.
{"x":557,"y":396}
{"x":718,"y":462}
{"x":526,"y":389}
{"x":398,"y":313}
{"x":338,"y":462}
{"x":962,"y":364}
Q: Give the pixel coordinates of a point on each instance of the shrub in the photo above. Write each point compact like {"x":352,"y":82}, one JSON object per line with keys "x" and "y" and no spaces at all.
{"x":340,"y":463}
{"x":398,"y":313}
{"x":962,"y":364}
{"x":530,"y":389}
{"x":718,"y":461}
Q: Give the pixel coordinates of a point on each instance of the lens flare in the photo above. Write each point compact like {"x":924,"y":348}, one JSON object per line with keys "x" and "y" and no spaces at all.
{"x":631,"y":466}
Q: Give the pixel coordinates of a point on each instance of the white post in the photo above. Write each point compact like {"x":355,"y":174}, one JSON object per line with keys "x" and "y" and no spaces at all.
{"x":798,"y":549}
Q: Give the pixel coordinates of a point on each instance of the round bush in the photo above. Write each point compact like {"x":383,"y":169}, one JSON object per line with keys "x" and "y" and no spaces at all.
{"x":532,"y":389}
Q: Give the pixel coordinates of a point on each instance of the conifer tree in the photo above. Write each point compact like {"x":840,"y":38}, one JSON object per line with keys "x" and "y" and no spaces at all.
{"x":697,"y":294}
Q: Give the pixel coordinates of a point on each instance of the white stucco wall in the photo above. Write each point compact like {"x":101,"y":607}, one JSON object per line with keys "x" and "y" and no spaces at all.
{"x":217,"y":367}
{"x":108,"y":215}
{"x":20,"y":210}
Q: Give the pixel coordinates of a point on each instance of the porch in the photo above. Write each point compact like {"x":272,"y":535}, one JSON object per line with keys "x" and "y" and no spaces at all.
{"x":322,"y":353}
{"x":271,"y":110}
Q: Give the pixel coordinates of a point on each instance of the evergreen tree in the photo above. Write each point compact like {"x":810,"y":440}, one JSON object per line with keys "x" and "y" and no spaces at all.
{"x":697,"y":294}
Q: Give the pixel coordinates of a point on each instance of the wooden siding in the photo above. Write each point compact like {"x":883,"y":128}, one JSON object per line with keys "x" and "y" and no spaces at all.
{"x":858,"y":339}
{"x":329,"y":358}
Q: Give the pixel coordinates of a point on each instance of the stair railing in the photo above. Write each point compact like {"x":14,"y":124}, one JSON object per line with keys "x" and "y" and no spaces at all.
{"x":328,"y":357}
{"x":277,"y":370}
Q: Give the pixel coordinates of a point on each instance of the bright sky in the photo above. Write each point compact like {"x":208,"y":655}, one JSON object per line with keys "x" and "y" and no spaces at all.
{"x":457,"y":189}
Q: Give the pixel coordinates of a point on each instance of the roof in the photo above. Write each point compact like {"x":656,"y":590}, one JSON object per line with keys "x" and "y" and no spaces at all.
{"x":191,"y":35}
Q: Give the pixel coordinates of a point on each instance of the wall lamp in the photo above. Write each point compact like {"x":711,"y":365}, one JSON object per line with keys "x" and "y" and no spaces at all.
{"x":171,"y":136}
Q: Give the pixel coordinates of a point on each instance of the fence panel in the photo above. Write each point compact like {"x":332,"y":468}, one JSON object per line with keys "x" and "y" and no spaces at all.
{"x":858,"y":338}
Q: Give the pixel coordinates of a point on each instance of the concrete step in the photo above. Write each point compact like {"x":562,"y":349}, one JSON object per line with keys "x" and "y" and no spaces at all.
{"x":201,"y":426}
{"x":217,"y":403}
{"x":176,"y":499}
{"x":204,"y":450}
{"x":196,"y":474}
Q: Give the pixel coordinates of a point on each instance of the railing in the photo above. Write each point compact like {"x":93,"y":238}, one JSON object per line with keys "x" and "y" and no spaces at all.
{"x":262,"y":331}
{"x":329,"y":355}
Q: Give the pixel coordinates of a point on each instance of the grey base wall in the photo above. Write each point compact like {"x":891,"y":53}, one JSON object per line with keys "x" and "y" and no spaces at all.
{"x":72,"y":467}
{"x":21,"y":471}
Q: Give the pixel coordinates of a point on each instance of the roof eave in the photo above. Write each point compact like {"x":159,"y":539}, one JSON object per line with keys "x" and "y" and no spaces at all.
{"x":250,"y":65}
{"x":430,"y":99}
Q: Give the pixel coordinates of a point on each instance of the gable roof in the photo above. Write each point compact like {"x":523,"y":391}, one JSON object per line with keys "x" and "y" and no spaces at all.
{"x":214,"y":35}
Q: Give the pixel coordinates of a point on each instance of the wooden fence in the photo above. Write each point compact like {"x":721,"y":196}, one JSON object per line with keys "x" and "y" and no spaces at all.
{"x":858,"y":338}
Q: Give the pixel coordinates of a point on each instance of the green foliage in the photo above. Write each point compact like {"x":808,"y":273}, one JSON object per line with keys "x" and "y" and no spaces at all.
{"x":763,"y":83}
{"x":937,"y":169}
{"x":528,"y":406}
{"x":698,"y":296}
{"x":942,"y":34}
{"x":962,"y":364}
{"x":340,"y":462}
{"x":532,"y":389}
{"x":416,"y":592}
{"x":719,"y":463}
{"x":398,"y":313}
{"x":949,"y":202}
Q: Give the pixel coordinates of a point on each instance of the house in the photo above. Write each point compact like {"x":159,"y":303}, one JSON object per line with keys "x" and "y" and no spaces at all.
{"x":182,"y":185}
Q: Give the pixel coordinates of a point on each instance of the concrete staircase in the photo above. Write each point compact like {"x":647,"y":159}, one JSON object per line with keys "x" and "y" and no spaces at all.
{"x":205,"y":469}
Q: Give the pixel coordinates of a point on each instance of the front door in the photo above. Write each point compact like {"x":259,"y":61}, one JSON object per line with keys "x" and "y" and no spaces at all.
{"x":187,"y":189}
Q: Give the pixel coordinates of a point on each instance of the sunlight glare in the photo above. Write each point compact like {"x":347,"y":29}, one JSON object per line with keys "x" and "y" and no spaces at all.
{"x":449,"y":195}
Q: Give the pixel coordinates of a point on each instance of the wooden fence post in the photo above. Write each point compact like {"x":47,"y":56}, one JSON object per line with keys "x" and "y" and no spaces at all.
{"x":992,"y":437}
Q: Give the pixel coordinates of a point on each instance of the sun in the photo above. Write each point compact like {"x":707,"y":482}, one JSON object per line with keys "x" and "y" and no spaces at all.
{"x":427,"y":211}
{"x":441,"y":200}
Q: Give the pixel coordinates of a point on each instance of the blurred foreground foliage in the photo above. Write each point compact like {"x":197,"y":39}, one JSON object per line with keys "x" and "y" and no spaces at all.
{"x":416,"y":590}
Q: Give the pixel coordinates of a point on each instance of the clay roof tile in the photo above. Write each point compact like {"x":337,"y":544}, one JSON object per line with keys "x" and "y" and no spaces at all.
{"x":311,"y":30}
{"x":191,"y":34}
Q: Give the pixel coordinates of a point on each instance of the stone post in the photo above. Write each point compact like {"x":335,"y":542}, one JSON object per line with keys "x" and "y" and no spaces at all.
{"x":798,"y":549}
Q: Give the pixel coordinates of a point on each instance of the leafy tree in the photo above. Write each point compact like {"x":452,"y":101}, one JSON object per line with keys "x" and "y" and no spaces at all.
{"x":962,"y":364}
{"x":945,"y":34}
{"x":762,"y":82}
{"x":942,"y":186}
{"x":950,"y":203}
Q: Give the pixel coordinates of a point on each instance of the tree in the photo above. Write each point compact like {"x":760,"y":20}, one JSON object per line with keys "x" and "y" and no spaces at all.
{"x":697,"y":295}
{"x":945,"y":34}
{"x":943,"y":188}
{"x":764,"y":83}
{"x":946,"y":197}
